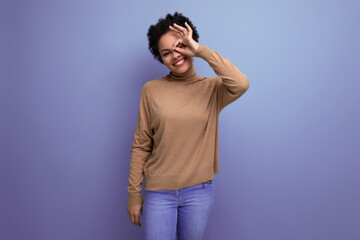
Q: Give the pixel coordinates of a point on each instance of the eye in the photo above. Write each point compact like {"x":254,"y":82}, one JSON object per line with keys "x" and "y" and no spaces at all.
{"x":165,"y":54}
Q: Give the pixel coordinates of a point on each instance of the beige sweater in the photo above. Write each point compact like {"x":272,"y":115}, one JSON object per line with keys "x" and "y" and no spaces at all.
{"x":178,"y":126}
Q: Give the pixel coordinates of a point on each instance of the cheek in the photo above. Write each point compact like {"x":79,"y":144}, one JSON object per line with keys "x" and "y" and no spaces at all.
{"x":163,"y":60}
{"x":166,"y":63}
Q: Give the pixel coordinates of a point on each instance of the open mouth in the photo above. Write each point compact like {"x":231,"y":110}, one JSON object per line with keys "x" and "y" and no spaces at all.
{"x":180,"y":63}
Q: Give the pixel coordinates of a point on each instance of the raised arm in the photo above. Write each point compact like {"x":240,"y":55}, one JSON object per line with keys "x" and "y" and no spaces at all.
{"x":231,"y":83}
{"x":141,"y":148}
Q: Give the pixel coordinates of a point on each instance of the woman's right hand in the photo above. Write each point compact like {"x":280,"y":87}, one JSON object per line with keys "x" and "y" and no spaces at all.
{"x":134,"y":214}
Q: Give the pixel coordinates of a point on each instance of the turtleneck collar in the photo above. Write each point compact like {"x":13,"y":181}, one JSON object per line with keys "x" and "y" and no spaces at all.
{"x":188,"y":76}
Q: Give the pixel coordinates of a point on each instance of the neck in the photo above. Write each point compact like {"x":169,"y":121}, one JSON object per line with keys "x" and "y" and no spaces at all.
{"x":188,"y":76}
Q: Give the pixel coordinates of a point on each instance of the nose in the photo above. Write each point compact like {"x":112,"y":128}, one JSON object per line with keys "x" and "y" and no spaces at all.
{"x":175,"y":54}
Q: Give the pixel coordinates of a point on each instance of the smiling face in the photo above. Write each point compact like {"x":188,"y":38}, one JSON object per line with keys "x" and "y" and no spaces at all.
{"x":171,"y":57}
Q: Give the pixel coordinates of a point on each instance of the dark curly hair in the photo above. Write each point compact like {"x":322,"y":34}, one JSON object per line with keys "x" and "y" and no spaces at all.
{"x":156,"y":31}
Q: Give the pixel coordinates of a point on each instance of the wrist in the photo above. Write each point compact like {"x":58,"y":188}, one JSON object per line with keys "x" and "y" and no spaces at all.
{"x":196,"y":47}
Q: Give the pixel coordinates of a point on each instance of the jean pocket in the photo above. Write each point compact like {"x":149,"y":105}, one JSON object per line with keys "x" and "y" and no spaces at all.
{"x":209,"y":182}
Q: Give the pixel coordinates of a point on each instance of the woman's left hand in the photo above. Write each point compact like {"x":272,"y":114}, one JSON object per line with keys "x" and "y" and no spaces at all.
{"x":186,"y":45}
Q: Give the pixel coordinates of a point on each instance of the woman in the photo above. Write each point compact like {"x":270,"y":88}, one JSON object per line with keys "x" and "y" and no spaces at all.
{"x":178,"y":127}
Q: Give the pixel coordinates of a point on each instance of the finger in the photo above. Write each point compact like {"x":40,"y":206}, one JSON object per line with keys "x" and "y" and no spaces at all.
{"x":175,"y":30}
{"x":137,"y":222}
{"x":180,"y":35}
{"x":134,"y":218}
{"x":180,"y":50}
{"x":140,"y":220}
{"x":175,"y":46}
{"x":177,"y":42}
{"x":189,"y":28}
{"x":182,"y":29}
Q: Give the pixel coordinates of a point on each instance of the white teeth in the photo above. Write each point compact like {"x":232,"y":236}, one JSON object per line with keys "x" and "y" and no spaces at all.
{"x":179,"y":63}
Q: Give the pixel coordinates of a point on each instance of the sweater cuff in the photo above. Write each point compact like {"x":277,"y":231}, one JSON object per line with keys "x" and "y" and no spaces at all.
{"x":135,"y":199}
{"x":203,"y":52}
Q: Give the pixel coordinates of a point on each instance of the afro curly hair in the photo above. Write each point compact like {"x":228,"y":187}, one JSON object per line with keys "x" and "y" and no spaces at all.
{"x":156,"y":31}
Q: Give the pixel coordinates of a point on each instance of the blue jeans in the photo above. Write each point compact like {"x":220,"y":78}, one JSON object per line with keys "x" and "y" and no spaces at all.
{"x":177,"y":214}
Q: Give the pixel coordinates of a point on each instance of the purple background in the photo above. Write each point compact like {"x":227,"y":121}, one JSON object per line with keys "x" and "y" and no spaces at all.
{"x":71,"y":77}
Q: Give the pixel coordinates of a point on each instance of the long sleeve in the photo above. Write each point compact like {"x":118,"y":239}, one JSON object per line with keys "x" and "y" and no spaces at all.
{"x":141,"y":148}
{"x":230,"y":83}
